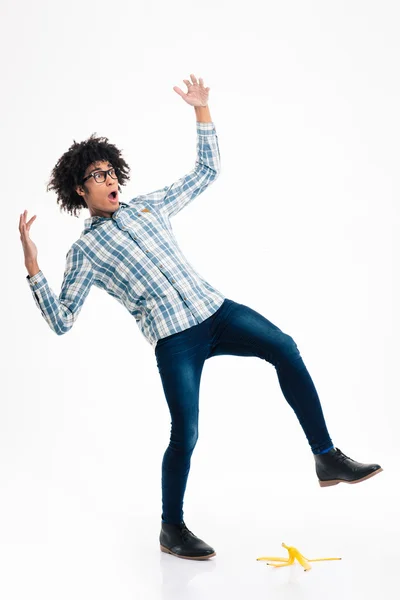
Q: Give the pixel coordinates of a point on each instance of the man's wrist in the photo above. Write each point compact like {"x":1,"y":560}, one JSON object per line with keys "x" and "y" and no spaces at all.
{"x":203,"y":114}
{"x":32,"y":267}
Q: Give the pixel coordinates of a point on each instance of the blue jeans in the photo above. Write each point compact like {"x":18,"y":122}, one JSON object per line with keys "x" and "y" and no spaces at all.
{"x":241,"y":331}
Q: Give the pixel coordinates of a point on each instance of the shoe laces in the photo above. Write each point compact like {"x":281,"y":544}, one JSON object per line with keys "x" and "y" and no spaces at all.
{"x":340,"y":456}
{"x":185,"y":532}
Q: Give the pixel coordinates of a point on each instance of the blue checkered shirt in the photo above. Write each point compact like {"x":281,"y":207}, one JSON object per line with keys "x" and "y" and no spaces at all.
{"x":134,"y":256}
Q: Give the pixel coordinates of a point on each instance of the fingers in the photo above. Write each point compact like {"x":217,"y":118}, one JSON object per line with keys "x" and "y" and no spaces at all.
{"x":190,"y":87}
{"x":194,"y":81}
{"x":23,"y":225}
{"x":23,"y":217}
{"x":179,"y":91}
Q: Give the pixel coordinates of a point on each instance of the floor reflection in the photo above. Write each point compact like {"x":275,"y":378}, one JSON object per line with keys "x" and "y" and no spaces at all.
{"x":177,"y":573}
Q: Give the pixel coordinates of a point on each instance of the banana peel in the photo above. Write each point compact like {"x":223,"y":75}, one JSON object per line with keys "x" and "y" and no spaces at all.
{"x":294,"y":554}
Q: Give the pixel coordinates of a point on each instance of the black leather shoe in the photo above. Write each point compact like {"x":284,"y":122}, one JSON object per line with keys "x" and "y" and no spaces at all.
{"x":334,"y":467}
{"x":179,"y":541}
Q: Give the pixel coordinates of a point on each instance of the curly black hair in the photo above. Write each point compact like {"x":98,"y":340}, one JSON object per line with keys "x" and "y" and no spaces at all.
{"x":70,"y":169}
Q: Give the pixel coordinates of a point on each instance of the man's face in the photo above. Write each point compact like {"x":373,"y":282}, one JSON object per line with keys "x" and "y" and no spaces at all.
{"x":97,"y":198}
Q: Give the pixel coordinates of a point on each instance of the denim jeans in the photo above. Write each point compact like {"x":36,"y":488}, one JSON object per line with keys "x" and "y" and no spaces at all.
{"x":238,"y":330}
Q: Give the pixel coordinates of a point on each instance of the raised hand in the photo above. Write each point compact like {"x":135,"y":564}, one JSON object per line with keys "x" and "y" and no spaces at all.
{"x":29,"y":248}
{"x":197,"y":94}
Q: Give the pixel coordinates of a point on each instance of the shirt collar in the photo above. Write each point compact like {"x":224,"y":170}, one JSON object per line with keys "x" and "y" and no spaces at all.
{"x":92,"y":222}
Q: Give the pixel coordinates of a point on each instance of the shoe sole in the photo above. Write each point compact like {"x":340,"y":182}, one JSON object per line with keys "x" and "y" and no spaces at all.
{"x":164,"y":549}
{"x":336,"y":481}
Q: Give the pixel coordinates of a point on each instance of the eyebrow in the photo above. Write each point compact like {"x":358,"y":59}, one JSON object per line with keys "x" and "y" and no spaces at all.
{"x":99,"y":168}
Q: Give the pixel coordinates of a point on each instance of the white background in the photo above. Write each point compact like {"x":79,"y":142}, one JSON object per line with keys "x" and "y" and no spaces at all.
{"x":302,"y":226}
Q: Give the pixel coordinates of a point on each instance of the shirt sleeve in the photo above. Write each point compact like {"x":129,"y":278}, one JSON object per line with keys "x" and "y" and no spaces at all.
{"x":61,"y":312}
{"x":172,"y":198}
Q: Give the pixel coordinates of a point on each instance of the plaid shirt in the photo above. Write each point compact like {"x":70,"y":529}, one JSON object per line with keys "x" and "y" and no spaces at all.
{"x":135,"y":258}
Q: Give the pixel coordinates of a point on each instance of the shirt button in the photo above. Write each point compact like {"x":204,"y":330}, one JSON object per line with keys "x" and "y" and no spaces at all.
{"x":172,"y":280}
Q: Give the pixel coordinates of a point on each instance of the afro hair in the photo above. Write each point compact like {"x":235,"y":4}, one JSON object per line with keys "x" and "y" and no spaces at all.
{"x":70,"y":169}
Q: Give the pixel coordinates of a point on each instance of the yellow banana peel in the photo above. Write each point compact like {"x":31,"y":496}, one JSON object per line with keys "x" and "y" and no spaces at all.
{"x":294,"y":554}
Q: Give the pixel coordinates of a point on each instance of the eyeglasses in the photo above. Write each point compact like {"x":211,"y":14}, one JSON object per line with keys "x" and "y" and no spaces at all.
{"x":100,"y":176}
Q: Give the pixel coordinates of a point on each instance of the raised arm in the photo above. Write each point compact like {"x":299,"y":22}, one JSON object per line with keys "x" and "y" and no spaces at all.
{"x":172,"y":198}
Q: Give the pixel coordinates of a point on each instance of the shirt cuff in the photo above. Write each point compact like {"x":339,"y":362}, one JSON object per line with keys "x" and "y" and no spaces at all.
{"x":36,"y":281}
{"x":204,"y":128}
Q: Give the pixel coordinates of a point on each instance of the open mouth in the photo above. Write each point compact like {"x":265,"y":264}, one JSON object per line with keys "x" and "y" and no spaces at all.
{"x":113,"y":196}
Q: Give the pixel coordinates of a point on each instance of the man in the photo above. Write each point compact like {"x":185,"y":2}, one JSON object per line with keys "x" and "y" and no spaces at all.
{"x":129,"y":250}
